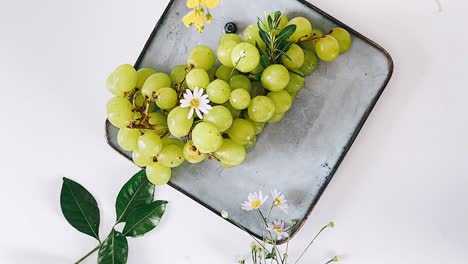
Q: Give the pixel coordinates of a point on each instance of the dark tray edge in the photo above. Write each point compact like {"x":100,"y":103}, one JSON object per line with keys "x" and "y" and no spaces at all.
{"x":345,"y":150}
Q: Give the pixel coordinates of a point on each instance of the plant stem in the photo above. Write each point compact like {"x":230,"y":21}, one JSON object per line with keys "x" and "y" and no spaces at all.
{"x":89,"y":253}
{"x":311,"y":242}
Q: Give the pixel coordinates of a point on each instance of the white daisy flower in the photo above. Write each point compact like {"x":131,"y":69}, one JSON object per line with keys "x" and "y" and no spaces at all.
{"x":254,"y":201}
{"x":279,"y":229}
{"x":280,"y":200}
{"x":197,"y":101}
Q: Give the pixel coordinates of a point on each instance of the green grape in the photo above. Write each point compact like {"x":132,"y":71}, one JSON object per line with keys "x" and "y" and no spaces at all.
{"x":257,"y":69}
{"x":240,"y":82}
{"x":218,"y":91}
{"x":276,"y":117}
{"x":275,"y":77}
{"x":159,"y":121}
{"x":220,"y":117}
{"x":241,"y":131}
{"x":310,"y":44}
{"x":230,"y":153}
{"x":172,"y":141}
{"x":154,"y":83}
{"x":296,"y":57}
{"x":119,"y":111}
{"x":343,"y":37}
{"x":157,"y":173}
{"x":258,"y":126}
{"x":139,"y":99}
{"x":125,"y":78}
{"x":240,"y":99}
{"x":136,"y":115}
{"x":296,"y":82}
{"x":257,"y":89}
{"x":201,"y":57}
{"x":225,"y":165}
{"x":197,"y":78}
{"x":245,"y":57}
{"x":282,"y":101}
{"x":171,"y":156}
{"x":127,"y":138}
{"x":310,"y":63}
{"x":251,"y":35}
{"x":178,"y":74}
{"x":283,"y":20}
{"x":211,"y":73}
{"x":230,"y":36}
{"x":111,"y":87}
{"x":303,"y":29}
{"x":224,"y":72}
{"x":293,"y":95}
{"x":192,"y":154}
{"x":178,"y":122}
{"x":327,"y":48}
{"x":149,"y":143}
{"x":224,"y":53}
{"x":261,"y":109}
{"x":251,"y":143}
{"x":143,"y":74}
{"x":206,"y":137}
{"x":234,"y":112}
{"x":166,"y":98}
{"x":140,"y":159}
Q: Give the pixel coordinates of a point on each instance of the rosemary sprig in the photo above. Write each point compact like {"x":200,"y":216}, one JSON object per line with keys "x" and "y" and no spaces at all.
{"x":275,"y":39}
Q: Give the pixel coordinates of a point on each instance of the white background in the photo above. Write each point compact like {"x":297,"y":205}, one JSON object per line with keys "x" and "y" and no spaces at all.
{"x":400,"y":195}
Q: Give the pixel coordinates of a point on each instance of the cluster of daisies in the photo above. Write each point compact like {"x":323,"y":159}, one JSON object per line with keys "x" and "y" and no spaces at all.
{"x":278,"y":228}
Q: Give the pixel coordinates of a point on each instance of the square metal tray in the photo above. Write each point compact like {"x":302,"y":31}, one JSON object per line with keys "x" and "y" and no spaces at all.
{"x":298,"y":155}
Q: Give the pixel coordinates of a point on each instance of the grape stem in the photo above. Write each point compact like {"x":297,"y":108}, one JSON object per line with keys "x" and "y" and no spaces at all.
{"x":314,"y":38}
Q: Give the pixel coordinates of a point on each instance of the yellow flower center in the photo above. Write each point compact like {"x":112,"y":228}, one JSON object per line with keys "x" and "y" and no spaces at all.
{"x":278,"y":201}
{"x":194,"y":103}
{"x":278,"y":229}
{"x":255,"y":204}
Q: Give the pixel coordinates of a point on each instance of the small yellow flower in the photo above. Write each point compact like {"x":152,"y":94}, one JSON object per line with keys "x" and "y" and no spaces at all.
{"x":193,"y":3}
{"x":195,"y":17}
{"x":210,"y":3}
{"x":189,"y":19}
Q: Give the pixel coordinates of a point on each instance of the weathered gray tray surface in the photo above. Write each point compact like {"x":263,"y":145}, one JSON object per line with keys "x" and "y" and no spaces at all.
{"x":297,"y":156}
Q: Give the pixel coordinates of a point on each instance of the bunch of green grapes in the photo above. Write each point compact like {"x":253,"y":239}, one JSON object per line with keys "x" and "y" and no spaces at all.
{"x":201,"y":111}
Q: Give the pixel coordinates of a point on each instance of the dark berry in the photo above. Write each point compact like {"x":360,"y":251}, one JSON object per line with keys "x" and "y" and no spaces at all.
{"x":230,"y":27}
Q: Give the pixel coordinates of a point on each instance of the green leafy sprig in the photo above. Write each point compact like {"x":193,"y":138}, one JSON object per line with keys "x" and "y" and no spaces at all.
{"x":134,"y":206}
{"x":275,"y":39}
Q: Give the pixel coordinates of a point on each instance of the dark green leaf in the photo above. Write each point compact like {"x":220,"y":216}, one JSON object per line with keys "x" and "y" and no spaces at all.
{"x":257,"y":76}
{"x":283,"y":53}
{"x":271,"y":255}
{"x":261,"y":26}
{"x":270,"y":22}
{"x":287,"y":46}
{"x":80,"y":208}
{"x":144,"y":219}
{"x":259,"y":49}
{"x":114,"y":249}
{"x":263,"y":34}
{"x":137,"y":192}
{"x":264,"y":61}
{"x":298,"y":74}
{"x":286,"y":32}
{"x":277,"y":15}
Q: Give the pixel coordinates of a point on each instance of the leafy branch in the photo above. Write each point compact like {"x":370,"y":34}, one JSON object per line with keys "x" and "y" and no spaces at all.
{"x":134,"y":206}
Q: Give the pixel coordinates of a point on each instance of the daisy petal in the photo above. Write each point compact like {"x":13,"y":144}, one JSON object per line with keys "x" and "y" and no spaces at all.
{"x":198,"y":113}
{"x":190,"y":114}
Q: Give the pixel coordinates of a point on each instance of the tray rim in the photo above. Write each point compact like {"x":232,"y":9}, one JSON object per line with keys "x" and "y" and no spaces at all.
{"x":346,"y":148}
